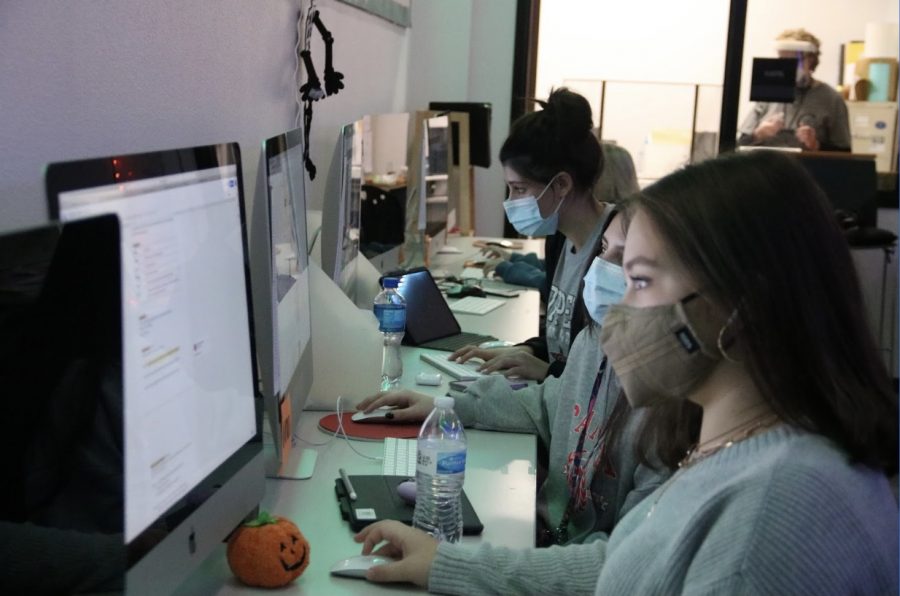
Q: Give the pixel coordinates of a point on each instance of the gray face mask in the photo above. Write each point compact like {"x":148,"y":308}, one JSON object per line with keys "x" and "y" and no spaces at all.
{"x":662,"y":352}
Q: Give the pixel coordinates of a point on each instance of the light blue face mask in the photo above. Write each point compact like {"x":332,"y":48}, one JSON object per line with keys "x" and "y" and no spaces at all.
{"x":525,"y":215}
{"x":604,"y":284}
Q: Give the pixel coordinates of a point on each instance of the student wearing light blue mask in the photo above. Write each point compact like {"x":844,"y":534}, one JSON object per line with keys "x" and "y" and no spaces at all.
{"x":551,"y":162}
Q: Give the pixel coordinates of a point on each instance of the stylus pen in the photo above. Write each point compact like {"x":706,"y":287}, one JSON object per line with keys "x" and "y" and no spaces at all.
{"x":347,"y":486}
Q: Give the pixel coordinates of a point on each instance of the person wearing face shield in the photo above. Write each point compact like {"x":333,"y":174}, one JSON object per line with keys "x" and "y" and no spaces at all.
{"x":817,"y":120}
{"x":551,"y":162}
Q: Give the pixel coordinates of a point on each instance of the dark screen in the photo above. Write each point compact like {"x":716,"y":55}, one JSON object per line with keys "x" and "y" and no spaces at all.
{"x":428,"y":316}
{"x":479,"y":129}
{"x":774,"y":80}
{"x":62,"y":504}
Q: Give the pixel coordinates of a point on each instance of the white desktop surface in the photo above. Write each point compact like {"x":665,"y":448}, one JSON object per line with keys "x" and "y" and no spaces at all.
{"x":519,"y":318}
{"x":500,"y":483}
{"x":500,"y":471}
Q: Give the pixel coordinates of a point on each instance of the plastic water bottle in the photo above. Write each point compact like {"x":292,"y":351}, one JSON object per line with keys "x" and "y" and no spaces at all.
{"x":440,"y":471}
{"x":390,"y":310}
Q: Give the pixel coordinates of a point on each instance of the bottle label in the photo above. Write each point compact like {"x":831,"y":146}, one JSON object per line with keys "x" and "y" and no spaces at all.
{"x":391,"y":318}
{"x":435,"y":461}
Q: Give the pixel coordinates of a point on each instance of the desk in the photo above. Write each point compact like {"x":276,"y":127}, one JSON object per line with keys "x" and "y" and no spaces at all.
{"x":500,"y":482}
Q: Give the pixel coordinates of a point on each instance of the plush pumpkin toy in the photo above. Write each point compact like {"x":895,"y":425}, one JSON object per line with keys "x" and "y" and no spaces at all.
{"x":268,"y":552}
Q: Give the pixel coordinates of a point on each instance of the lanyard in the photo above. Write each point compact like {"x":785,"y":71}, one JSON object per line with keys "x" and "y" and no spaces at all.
{"x":562,"y":531}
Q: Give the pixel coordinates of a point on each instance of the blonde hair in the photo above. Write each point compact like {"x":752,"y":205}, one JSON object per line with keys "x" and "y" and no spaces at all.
{"x":618,"y":179}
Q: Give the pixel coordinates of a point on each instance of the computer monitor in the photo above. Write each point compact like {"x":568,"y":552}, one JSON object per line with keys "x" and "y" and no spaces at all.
{"x":479,"y":128}
{"x":193,"y":457}
{"x":282,"y":307}
{"x":436,"y":147}
{"x":63,"y":494}
{"x":383,"y":198}
{"x":849,"y":181}
{"x":341,"y":209}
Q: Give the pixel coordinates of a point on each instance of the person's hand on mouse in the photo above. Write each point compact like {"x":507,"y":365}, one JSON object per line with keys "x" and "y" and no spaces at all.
{"x":521,"y":364}
{"x":411,"y":406}
{"x":414,"y":548}
{"x":466,"y":353}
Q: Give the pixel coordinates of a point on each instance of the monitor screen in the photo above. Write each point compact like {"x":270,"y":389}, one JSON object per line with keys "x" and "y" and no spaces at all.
{"x":189,"y":365}
{"x":61,"y":372}
{"x":479,"y":127}
{"x":341,"y":210}
{"x":287,"y":372}
{"x":774,"y":80}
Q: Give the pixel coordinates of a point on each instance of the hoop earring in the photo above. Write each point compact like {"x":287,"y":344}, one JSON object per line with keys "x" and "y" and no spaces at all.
{"x":719,"y":345}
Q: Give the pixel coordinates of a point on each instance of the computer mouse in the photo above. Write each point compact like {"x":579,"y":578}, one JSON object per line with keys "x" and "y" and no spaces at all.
{"x":407,"y":491}
{"x":358,"y":565}
{"x":494,"y":343}
{"x":382,"y":414}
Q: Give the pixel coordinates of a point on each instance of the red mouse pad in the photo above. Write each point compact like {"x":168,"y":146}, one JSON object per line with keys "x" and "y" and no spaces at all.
{"x":370,"y":431}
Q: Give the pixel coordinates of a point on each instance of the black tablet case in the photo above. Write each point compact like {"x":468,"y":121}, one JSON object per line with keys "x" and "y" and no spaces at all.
{"x":379,"y":493}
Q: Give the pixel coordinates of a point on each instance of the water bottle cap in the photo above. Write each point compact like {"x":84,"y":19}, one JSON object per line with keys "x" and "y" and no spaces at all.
{"x":390,"y":282}
{"x":443,"y":401}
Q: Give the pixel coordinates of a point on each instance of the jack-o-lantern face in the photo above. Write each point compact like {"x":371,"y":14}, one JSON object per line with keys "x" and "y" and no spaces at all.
{"x":268,"y":552}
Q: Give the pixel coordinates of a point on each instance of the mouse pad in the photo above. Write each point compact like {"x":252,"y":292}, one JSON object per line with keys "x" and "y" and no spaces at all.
{"x":377,"y":499}
{"x":369,"y":431}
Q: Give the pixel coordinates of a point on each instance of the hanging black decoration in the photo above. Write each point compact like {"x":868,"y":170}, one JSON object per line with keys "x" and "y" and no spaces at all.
{"x":311,"y":90}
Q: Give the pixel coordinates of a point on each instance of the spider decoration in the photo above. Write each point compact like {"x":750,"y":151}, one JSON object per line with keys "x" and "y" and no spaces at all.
{"x":312,"y":90}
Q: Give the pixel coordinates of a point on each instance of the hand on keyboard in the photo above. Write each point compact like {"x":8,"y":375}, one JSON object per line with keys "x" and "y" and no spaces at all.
{"x":520,"y":364}
{"x":410,"y":406}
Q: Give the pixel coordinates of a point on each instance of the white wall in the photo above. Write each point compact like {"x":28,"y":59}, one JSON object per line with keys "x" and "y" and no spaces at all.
{"x":82,"y":79}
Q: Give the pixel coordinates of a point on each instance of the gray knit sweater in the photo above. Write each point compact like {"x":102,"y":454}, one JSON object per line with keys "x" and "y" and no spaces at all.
{"x":555,"y":410}
{"x":783,"y":512}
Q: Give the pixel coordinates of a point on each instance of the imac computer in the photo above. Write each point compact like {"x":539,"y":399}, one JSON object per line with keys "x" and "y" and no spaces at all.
{"x":437,"y":147}
{"x":283,"y":304}
{"x":341,"y":210}
{"x":62,"y":508}
{"x":383,"y":197}
{"x":192,"y":451}
{"x":479,"y":129}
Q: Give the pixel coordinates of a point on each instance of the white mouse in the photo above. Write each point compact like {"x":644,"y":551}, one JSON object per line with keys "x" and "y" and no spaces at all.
{"x":495,"y":343}
{"x":358,"y":565}
{"x":376,"y":415}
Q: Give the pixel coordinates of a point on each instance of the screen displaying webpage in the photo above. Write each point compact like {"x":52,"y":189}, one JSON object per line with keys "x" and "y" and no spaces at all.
{"x":188,"y":370}
{"x":290,"y":275}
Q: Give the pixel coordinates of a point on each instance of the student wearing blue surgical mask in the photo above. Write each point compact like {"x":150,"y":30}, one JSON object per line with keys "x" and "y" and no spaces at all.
{"x":594,"y":473}
{"x":552,"y":162}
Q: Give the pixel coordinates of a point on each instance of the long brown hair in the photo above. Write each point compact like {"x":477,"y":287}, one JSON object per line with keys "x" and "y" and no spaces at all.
{"x":757,"y":235}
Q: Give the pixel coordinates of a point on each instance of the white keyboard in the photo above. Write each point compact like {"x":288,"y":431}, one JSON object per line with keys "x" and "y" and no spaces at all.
{"x":473,"y":305}
{"x":460,"y":372}
{"x":399,"y":457}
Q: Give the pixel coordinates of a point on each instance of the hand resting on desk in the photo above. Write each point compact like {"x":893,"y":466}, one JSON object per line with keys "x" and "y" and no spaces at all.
{"x":409,"y":405}
{"x":514,"y":361}
{"x":414,"y":548}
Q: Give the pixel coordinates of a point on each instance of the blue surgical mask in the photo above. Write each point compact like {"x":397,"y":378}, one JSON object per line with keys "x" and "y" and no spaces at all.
{"x":604,"y":284}
{"x":525,"y":215}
